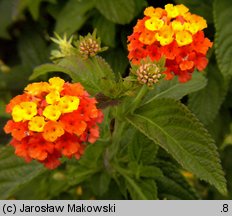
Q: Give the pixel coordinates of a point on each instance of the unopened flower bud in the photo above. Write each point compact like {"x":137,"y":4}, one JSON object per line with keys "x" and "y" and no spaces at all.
{"x":148,"y":74}
{"x":65,"y":47}
{"x":89,"y":45}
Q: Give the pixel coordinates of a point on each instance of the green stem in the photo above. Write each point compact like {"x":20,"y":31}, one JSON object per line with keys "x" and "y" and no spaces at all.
{"x":116,"y":138}
{"x":136,"y":102}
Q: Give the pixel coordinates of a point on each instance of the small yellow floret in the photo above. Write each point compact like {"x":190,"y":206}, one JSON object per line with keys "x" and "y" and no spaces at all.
{"x":191,"y":27}
{"x":56,"y":83}
{"x":52,"y":112}
{"x":154,"y":24}
{"x":165,"y":35}
{"x":182,"y":9}
{"x":37,"y":88}
{"x":53,"y":97}
{"x":24,"y":111}
{"x":37,"y":124}
{"x":172,"y":11}
{"x":68,"y":103}
{"x":183,"y":38}
{"x":149,"y":11}
{"x":195,"y":22}
{"x":177,"y":26}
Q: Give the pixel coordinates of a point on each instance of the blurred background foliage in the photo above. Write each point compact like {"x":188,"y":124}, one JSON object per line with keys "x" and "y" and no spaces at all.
{"x":25,"y":30}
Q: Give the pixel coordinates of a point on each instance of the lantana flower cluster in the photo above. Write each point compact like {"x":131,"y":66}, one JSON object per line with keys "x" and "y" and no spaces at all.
{"x":52,"y":119}
{"x":174,"y":33}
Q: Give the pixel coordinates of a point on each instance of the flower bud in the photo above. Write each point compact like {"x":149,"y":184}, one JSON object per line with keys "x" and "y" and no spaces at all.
{"x":89,"y":46}
{"x":148,"y":74}
{"x":65,"y":47}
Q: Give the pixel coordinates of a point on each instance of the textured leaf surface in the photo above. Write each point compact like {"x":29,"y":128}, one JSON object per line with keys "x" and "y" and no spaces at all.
{"x":142,"y":189}
{"x":172,"y":185}
{"x":176,"y":90}
{"x":207,"y":102}
{"x":117,"y":11}
{"x":223,"y":40}
{"x":47,"y":68}
{"x":140,"y":148}
{"x":14,"y":172}
{"x":171,"y":125}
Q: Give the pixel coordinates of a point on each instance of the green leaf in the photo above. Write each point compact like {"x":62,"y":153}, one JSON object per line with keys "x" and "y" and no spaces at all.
{"x":118,"y":61}
{"x":89,"y":164}
{"x":174,"y":89}
{"x":206,"y":102}
{"x":106,"y":30}
{"x":140,"y":148}
{"x":78,"y":174}
{"x":48,"y":185}
{"x":100,"y":183}
{"x":222,"y":19}
{"x":47,"y":68}
{"x":19,"y":73}
{"x":172,"y":126}
{"x":173,"y":185}
{"x":139,"y":6}
{"x":142,"y":189}
{"x":34,"y":7}
{"x":73,"y":16}
{"x":220,"y":128}
{"x":32,"y":49}
{"x":15,"y":172}
{"x":117,"y":11}
{"x":147,"y":171}
{"x":93,"y":156}
{"x":6,"y":17}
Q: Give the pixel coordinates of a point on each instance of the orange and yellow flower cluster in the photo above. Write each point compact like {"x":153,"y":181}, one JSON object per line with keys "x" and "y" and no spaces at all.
{"x":172,"y":32}
{"x":52,"y":119}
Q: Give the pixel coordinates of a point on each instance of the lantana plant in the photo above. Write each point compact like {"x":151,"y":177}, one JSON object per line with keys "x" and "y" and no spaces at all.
{"x":130,"y":135}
